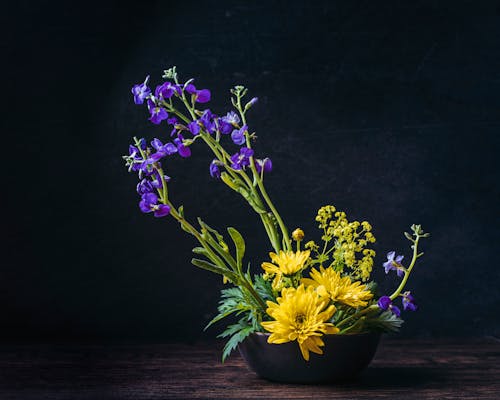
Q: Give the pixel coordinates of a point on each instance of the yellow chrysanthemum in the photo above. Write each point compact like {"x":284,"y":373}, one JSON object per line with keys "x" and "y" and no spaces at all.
{"x":285,"y":263}
{"x":329,"y":283}
{"x":300,"y":315}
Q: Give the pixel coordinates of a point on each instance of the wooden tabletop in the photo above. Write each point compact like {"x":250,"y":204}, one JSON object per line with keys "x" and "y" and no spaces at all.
{"x":417,"y":369}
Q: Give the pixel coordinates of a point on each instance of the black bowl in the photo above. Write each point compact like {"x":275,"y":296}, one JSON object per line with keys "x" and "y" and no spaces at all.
{"x":344,"y":356}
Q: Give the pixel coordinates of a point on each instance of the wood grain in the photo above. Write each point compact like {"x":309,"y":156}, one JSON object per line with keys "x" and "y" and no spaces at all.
{"x":444,"y":369}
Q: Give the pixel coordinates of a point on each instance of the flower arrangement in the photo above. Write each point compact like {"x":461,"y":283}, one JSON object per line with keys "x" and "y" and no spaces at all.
{"x":305,"y":289}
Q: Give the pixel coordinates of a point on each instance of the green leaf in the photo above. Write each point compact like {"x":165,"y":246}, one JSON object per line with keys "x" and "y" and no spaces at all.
{"x":239,"y":243}
{"x":238,"y":333}
{"x":181,"y":211}
{"x":214,"y":268}
{"x":385,"y":322}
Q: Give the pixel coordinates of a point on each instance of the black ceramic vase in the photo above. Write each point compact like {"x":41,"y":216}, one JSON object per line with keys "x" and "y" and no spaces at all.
{"x":344,"y":357}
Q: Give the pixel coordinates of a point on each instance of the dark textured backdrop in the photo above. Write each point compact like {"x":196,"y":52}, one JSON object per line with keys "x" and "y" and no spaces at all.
{"x":390,"y":110}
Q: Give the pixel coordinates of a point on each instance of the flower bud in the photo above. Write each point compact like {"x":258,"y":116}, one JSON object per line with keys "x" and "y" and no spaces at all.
{"x":298,"y":235}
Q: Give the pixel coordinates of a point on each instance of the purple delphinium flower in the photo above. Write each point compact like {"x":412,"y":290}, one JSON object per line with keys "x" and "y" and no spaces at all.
{"x":144,"y":187}
{"x":149,"y":203}
{"x":158,"y":113}
{"x":214,"y":169}
{"x":231,"y":118}
{"x":184,"y":151}
{"x":394,"y":263}
{"x":207,"y":119}
{"x":241,"y":159}
{"x":194,"y":127}
{"x":238,"y":135}
{"x":223,"y":126}
{"x":164,"y":91}
{"x":385,"y":303}
{"x":409,"y":302}
{"x":162,"y":150}
{"x":265,"y":164}
{"x":141,"y":91}
{"x":201,"y":96}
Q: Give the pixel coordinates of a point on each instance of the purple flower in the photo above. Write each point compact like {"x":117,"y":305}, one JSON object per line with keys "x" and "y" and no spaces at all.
{"x":231,"y":118}
{"x":207,"y":119}
{"x":201,"y":96}
{"x":394,"y":263}
{"x":164,"y":91}
{"x":241,"y":159}
{"x":224,"y":127}
{"x":409,"y":302}
{"x":184,"y":151}
{"x":158,"y":113}
{"x":141,"y":91}
{"x":214,"y":169}
{"x":194,"y":127}
{"x":385,"y":303}
{"x":149,"y":203}
{"x":144,"y":187}
{"x":162,"y":150}
{"x":265,"y":164}
{"x":238,"y":135}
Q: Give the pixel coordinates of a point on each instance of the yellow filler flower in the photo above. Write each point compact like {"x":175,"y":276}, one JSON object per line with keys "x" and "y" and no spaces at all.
{"x":288,"y":263}
{"x":329,"y":283}
{"x":300,"y":315}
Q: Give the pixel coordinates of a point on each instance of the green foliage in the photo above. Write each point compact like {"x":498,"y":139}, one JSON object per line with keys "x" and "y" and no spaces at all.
{"x":239,"y":244}
{"x":238,"y":333}
{"x":385,"y":322}
{"x":264,"y":288}
{"x":237,"y":301}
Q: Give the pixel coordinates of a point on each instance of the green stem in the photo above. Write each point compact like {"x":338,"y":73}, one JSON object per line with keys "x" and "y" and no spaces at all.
{"x":401,"y":286}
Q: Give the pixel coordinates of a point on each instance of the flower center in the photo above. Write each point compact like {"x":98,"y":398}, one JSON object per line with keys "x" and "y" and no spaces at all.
{"x":300,"y":319}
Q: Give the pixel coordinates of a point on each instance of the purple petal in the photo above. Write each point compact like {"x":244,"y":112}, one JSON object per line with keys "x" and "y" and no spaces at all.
{"x":390,"y":255}
{"x":157,"y":144}
{"x":145,"y":208}
{"x":169,"y":148}
{"x":162,"y":210}
{"x":238,"y":137}
{"x":395,"y":310}
{"x":191,"y":89}
{"x":194,"y":127}
{"x":384,"y":302}
{"x":203,"y":96}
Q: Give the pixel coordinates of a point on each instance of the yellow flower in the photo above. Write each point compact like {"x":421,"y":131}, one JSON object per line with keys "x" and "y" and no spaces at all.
{"x":288,"y":263}
{"x":300,"y":315}
{"x":298,"y":235}
{"x":329,"y":283}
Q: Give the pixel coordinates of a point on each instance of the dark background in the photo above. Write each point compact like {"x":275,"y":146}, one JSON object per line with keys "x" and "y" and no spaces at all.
{"x":389,"y":110}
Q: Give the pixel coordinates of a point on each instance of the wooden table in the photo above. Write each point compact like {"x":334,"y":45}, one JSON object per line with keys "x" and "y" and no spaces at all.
{"x":444,"y":369}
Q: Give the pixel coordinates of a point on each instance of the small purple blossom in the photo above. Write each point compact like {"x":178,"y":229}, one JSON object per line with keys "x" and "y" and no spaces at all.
{"x":408,"y":302}
{"x":394,"y":263}
{"x":141,"y":91}
{"x":194,"y":127}
{"x":158,"y":113}
{"x":241,"y":159}
{"x":201,"y":96}
{"x":149,"y":203}
{"x":266,"y":164}
{"x":231,"y":118}
{"x":162,"y":150}
{"x":224,"y":126}
{"x":184,"y":151}
{"x":144,"y":187}
{"x":238,"y":135}
{"x":207,"y":119}
{"x":385,"y":303}
{"x":214,"y":169}
{"x":164,"y":91}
